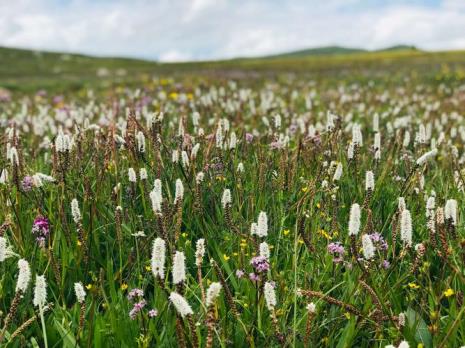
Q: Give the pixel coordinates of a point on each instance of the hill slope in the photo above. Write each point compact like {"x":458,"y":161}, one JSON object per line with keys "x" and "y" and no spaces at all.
{"x":27,"y":70}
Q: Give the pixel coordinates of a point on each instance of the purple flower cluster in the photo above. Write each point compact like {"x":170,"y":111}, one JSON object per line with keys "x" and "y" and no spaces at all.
{"x":240,"y":273}
{"x":254,"y":277}
{"x":138,"y":306}
{"x":41,"y":229}
{"x":260,"y":263}
{"x":27,"y":183}
{"x":378,"y":241}
{"x":137,"y":295}
{"x":337,"y":250}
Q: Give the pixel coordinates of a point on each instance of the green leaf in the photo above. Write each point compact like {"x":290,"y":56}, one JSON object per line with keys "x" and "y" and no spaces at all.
{"x":419,"y":328}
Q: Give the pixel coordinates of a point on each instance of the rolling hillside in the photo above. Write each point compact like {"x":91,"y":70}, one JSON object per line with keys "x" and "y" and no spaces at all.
{"x":27,"y":70}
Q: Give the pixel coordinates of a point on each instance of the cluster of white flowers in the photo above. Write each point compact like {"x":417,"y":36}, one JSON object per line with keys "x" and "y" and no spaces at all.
{"x":140,"y":137}
{"x":157,"y":261}
{"x":406,"y":227}
{"x":12,"y":155}
{"x":424,"y":158}
{"x":270,"y":296}
{"x":185,"y":159}
{"x":63,"y":142}
{"x":368,"y":247}
{"x":24,"y":276}
{"x":132,"y":175}
{"x":39,"y":179}
{"x":226,"y":199}
{"x":40,"y":291}
{"x":156,"y":196}
{"x":179,"y":268}
{"x":199,"y":177}
{"x":213,"y":292}
{"x":357,"y":138}
{"x":5,"y":249}
{"x":79,"y":292}
{"x":75,"y":211}
{"x":199,"y":251}
{"x":338,"y":172}
{"x":175,"y":156}
{"x":261,"y":227}
{"x":369,"y":181}
{"x":354,"y":219}
{"x":450,"y":211}
{"x":179,"y":193}
{"x":181,"y":304}
{"x":264,"y":250}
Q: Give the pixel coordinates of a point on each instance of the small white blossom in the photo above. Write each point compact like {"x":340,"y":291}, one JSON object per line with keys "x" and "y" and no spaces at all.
{"x":270,"y":296}
{"x":354,"y":220}
{"x":199,"y":252}
{"x":262,"y":225}
{"x":79,"y":292}
{"x":181,"y":304}
{"x":179,"y":267}
{"x":40,"y":291}
{"x":213,"y":292}
{"x":24,"y":276}
{"x":157,"y":261}
{"x":132,"y":175}
{"x":368,"y":247}
{"x":226,"y":199}
{"x":406,"y":227}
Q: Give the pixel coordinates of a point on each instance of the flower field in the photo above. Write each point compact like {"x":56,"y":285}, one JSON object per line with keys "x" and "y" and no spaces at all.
{"x":236,"y":208}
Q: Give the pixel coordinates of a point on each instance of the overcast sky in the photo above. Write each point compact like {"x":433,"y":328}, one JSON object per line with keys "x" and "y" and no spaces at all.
{"x":174,"y":30}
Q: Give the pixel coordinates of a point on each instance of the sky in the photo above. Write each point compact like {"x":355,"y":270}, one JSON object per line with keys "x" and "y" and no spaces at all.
{"x":181,"y":30}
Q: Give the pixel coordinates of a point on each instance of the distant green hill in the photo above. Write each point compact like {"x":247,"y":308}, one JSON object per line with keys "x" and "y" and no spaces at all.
{"x":28,"y":71}
{"x":336,"y":50}
{"x":318,"y":51}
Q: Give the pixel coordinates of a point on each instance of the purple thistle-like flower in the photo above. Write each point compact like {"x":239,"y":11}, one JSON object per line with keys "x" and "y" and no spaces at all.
{"x":386,"y":264}
{"x":27,"y":183}
{"x":337,"y":250}
{"x":254,"y":277}
{"x":136,"y":309}
{"x":378,"y":241}
{"x":139,"y":293}
{"x":41,"y":229}
{"x":240,"y":273}
{"x":260,"y":263}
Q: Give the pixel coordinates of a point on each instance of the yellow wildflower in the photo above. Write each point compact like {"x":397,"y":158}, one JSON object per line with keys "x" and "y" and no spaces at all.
{"x":449,"y":292}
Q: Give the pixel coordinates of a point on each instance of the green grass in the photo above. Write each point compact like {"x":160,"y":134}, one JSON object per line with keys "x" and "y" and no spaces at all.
{"x":307,"y":210}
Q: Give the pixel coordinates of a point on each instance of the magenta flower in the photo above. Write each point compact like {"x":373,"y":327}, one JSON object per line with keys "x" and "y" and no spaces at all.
{"x":135,"y":293}
{"x":27,"y":183}
{"x":254,"y":277}
{"x":240,"y":273}
{"x":260,"y":263}
{"x":136,"y":309}
{"x":41,"y":229}
{"x":337,"y":250}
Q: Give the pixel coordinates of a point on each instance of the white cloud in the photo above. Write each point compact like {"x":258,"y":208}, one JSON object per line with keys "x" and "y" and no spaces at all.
{"x":174,"y":56}
{"x":174,"y":30}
